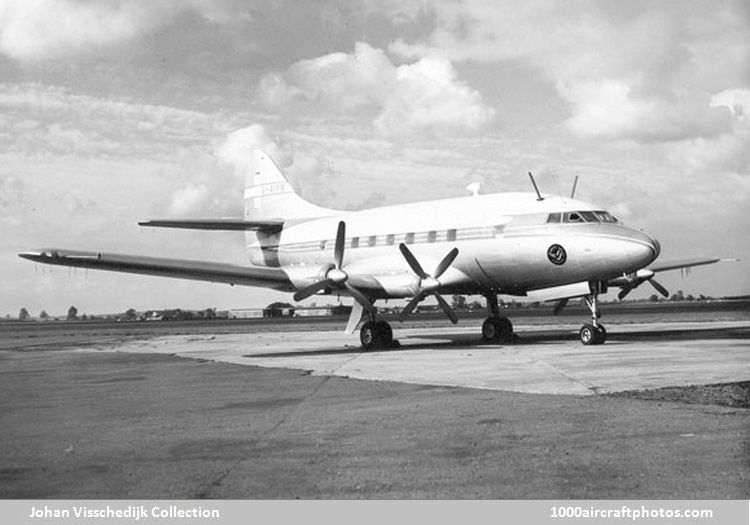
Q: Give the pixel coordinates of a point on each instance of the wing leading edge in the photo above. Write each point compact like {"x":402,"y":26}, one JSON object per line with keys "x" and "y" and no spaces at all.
{"x":274,"y":278}
{"x":215,"y":224}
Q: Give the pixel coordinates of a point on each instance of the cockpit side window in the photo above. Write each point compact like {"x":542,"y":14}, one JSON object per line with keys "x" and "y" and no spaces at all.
{"x":588,"y":216}
{"x":605,"y":216}
{"x":572,"y":216}
{"x":553,"y":217}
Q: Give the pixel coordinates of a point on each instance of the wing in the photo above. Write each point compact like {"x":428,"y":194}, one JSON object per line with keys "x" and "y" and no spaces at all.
{"x":684,"y":263}
{"x":232,"y":274}
{"x":627,"y":283}
{"x":215,"y":224}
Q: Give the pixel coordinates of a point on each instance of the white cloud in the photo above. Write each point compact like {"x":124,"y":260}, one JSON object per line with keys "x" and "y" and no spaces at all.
{"x":625,"y":71}
{"x":428,"y":95}
{"x":425,"y":95}
{"x":41,"y":29}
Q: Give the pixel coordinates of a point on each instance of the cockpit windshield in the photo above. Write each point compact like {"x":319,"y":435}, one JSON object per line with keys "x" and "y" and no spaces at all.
{"x":581,"y":216}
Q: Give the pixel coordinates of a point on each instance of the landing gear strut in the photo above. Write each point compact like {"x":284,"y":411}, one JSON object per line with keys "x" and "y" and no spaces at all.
{"x":496,"y":329}
{"x":593,"y":333}
{"x":376,"y":334}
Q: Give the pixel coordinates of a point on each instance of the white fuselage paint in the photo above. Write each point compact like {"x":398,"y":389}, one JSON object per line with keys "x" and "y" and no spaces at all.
{"x":503,"y":241}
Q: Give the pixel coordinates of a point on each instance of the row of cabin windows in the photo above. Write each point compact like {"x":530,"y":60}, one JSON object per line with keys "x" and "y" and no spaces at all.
{"x":390,"y":239}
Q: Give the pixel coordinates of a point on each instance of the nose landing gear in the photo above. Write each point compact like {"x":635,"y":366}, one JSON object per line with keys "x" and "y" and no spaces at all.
{"x":593,"y":333}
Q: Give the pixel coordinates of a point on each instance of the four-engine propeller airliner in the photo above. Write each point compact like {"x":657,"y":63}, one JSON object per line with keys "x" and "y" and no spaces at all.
{"x":521,"y":244}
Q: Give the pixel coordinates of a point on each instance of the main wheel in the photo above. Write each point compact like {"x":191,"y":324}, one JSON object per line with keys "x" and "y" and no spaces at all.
{"x":498,"y":330}
{"x":384,"y":333}
{"x":368,"y":335}
{"x":588,"y":334}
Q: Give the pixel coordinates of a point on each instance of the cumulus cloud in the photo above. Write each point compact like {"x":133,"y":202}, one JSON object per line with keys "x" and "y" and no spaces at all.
{"x":424,"y":95}
{"x":625,"y":71}
{"x":41,"y":29}
{"x":728,"y":153}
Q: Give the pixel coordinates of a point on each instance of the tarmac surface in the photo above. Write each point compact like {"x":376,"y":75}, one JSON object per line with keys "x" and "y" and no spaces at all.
{"x":309,"y":415}
{"x":548,"y":361}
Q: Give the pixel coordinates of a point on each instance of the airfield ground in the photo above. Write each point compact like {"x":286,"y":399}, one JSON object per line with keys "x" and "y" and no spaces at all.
{"x":274,"y":411}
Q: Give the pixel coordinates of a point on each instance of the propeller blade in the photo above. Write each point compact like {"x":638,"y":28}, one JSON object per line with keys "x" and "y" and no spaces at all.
{"x":313,"y":288}
{"x":625,"y":291}
{"x":659,"y":288}
{"x":355,"y":317}
{"x":411,"y":306}
{"x":446,"y":308}
{"x":445,"y":263}
{"x":562,"y":303}
{"x":415,"y":266}
{"x":338,"y":250}
{"x":360,"y":298}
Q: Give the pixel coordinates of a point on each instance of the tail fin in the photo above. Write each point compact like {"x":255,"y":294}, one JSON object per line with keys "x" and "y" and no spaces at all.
{"x":268,"y":195}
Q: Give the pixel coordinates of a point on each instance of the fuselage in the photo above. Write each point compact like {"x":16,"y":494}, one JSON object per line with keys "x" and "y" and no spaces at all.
{"x":509,"y":242}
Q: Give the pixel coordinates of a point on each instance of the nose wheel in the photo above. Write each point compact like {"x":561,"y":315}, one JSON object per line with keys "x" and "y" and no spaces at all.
{"x":592,"y":335}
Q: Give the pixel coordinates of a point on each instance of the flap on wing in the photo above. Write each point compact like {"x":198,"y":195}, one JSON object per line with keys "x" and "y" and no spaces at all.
{"x":568,"y":291}
{"x":214,"y":224}
{"x":183,"y":269}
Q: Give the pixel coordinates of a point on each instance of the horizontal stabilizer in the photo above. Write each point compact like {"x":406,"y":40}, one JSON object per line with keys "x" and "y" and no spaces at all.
{"x":214,"y":224}
{"x":233,"y":274}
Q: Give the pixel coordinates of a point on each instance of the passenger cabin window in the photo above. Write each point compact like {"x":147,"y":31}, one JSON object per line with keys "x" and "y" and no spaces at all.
{"x":572,"y":216}
{"x":372,"y":240}
{"x":409,"y":238}
{"x":431,"y":236}
{"x":322,"y":245}
{"x":451,"y":235}
{"x":553,"y":217}
{"x":355,"y":242}
{"x":390,"y":239}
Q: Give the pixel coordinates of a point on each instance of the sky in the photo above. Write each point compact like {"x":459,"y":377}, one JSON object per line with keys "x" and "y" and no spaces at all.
{"x":115,"y":111}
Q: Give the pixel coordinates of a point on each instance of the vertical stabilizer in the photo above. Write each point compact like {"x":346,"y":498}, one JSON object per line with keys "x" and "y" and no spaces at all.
{"x":268,"y":195}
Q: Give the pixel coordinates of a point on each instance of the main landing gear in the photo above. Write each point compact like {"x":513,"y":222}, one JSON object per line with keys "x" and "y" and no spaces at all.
{"x":496,"y":329}
{"x":593,"y":333}
{"x":376,"y":334}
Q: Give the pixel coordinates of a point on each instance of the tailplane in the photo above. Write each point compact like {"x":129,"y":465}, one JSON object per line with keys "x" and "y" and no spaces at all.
{"x":269,"y":196}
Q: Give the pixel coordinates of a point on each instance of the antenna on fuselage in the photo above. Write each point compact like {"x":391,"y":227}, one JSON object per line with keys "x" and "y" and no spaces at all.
{"x":575,"y":185}
{"x":536,"y":189}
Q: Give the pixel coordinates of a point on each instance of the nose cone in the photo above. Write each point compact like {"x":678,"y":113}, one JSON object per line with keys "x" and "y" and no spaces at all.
{"x":641,"y":250}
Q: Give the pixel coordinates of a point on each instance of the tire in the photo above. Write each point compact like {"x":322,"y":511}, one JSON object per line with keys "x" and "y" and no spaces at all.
{"x":497,"y":330}
{"x":368,"y":335}
{"x":384,"y":333}
{"x":505,"y":330}
{"x":588,"y":334}
{"x":489,"y":330}
{"x":601,"y":335}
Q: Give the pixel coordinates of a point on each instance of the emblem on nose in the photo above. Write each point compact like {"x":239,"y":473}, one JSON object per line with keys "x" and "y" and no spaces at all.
{"x":556,"y":254}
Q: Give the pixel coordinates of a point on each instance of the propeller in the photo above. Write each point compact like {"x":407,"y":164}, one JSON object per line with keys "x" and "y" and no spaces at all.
{"x":641,"y":277}
{"x":334,"y":276}
{"x":428,"y":284}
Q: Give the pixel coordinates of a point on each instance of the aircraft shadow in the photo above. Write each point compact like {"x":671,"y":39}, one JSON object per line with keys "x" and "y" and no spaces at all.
{"x":449,"y":341}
